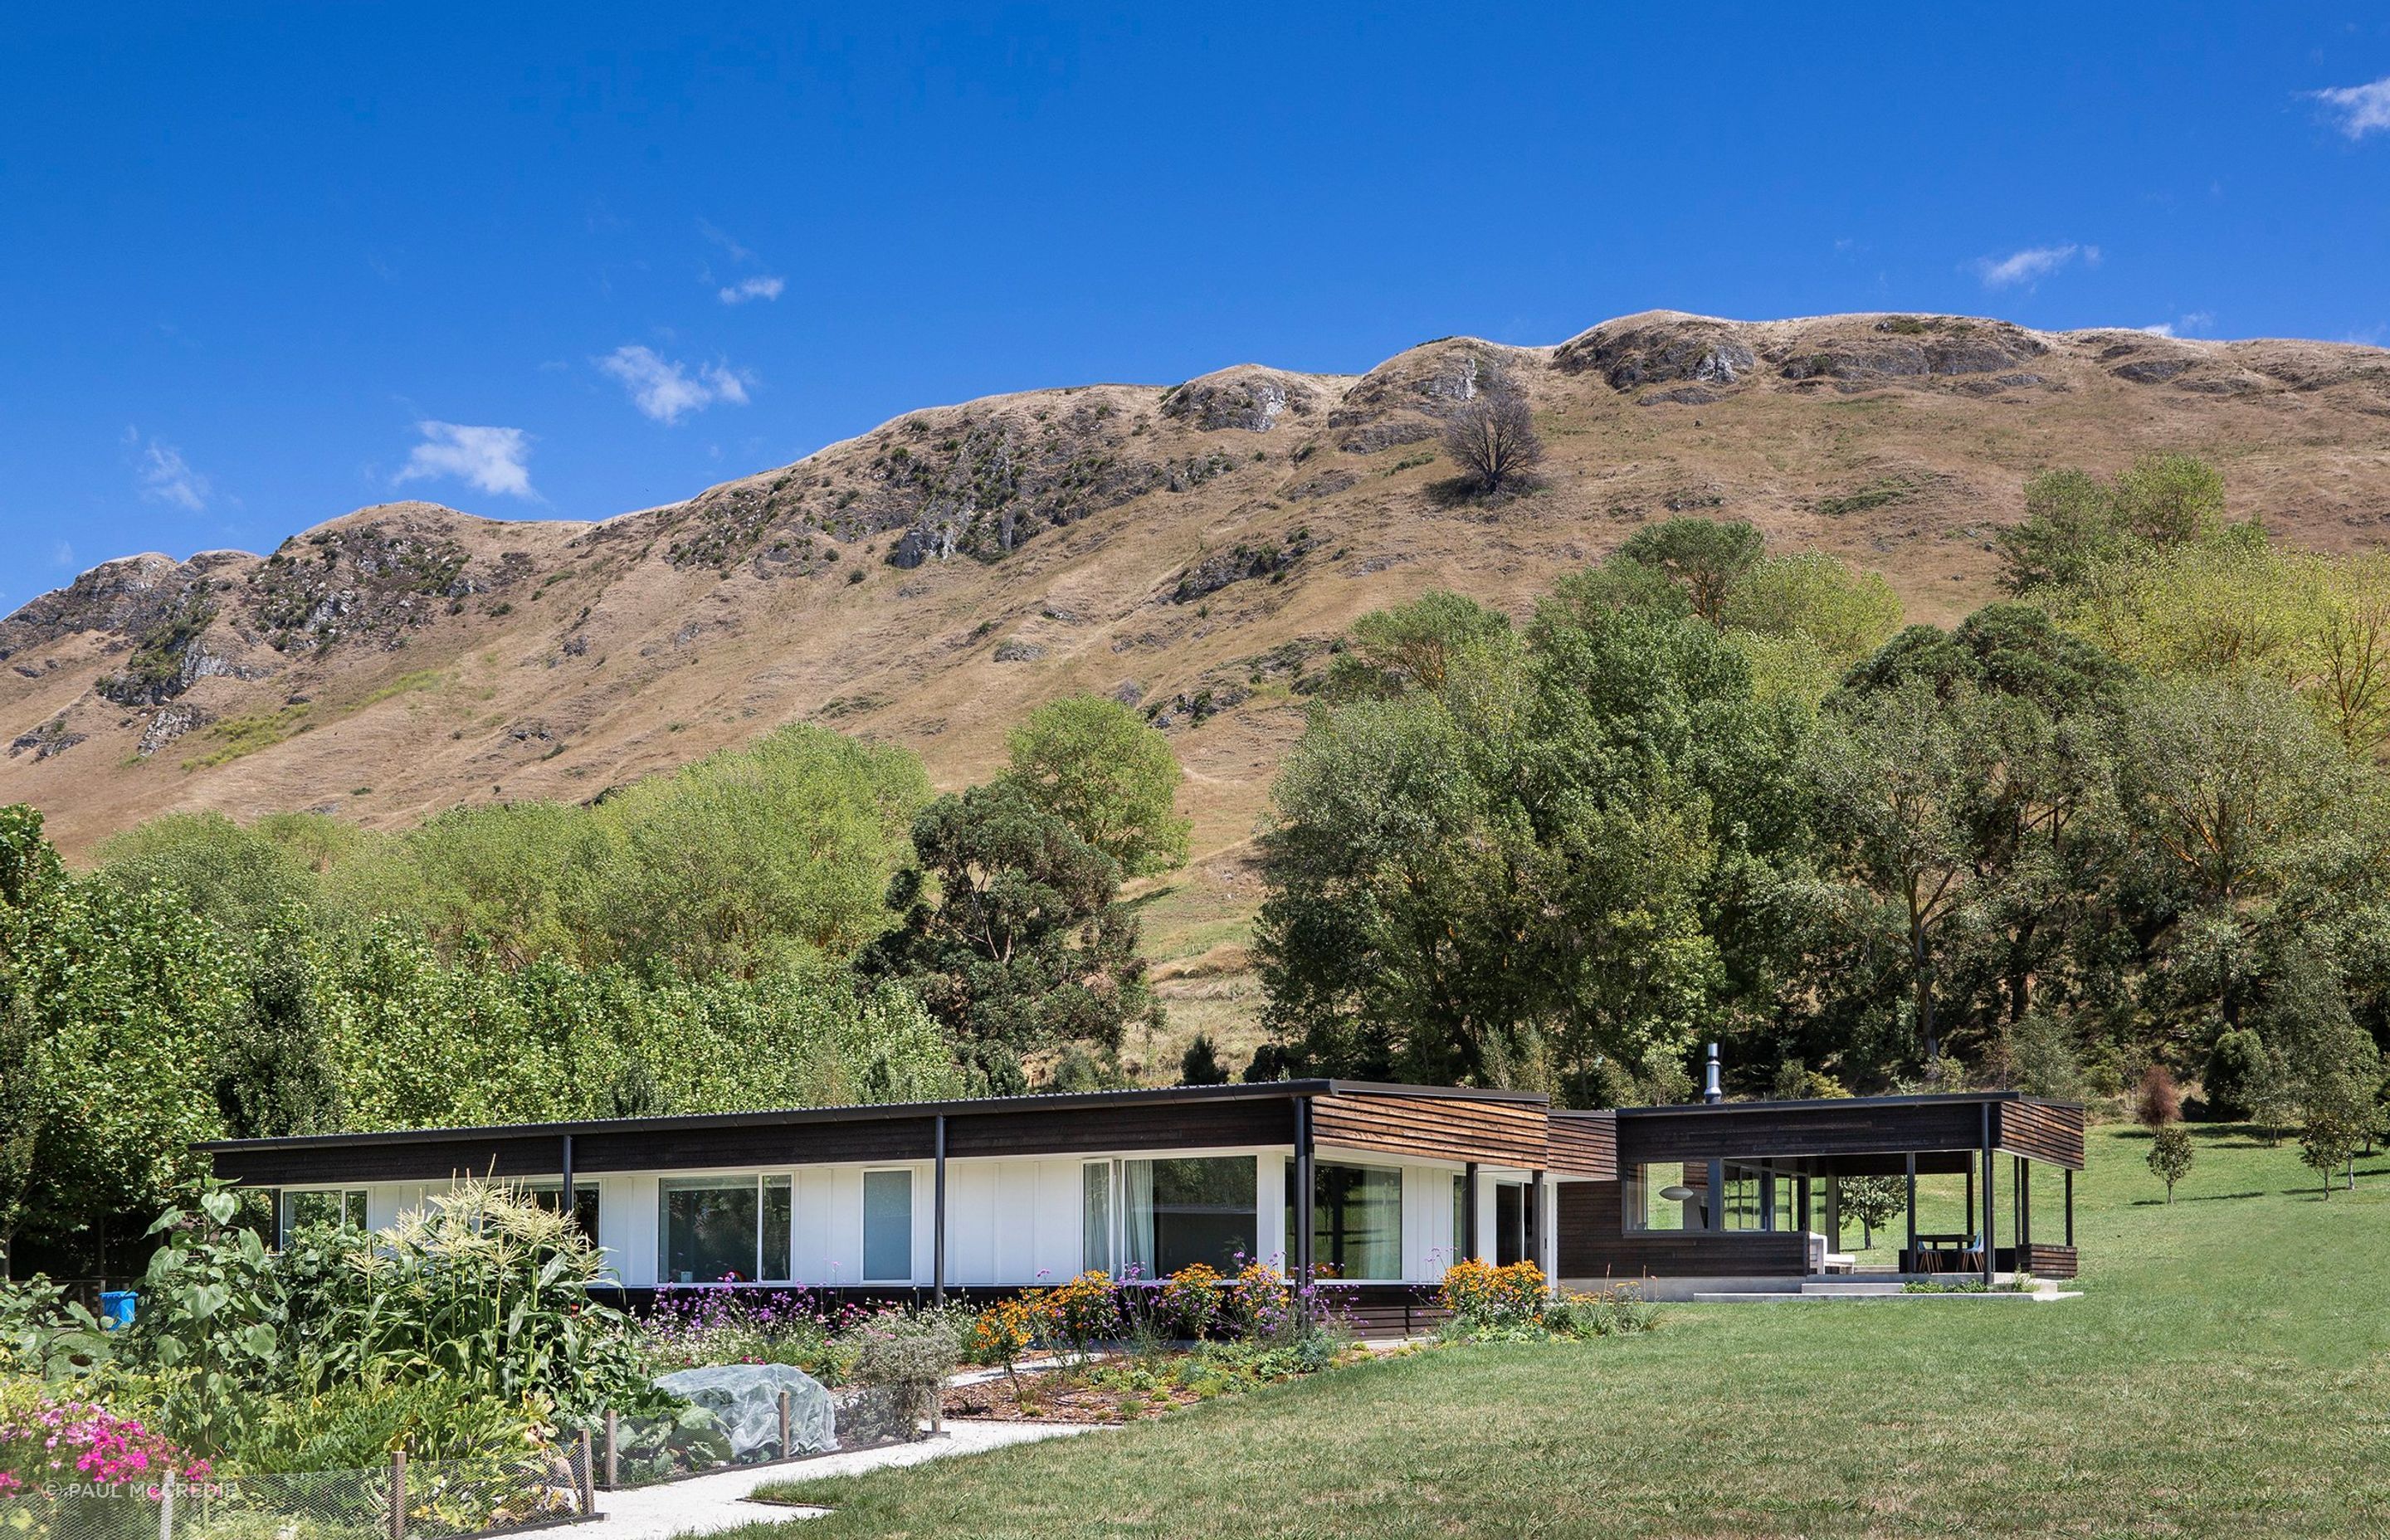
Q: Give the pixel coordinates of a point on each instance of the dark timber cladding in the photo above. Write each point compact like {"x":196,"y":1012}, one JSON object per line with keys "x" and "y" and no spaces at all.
{"x":1594,"y":1243}
{"x":2046,"y":1130}
{"x":1498,"y":1128}
{"x":1582,"y":1144}
{"x":1494,"y":1131}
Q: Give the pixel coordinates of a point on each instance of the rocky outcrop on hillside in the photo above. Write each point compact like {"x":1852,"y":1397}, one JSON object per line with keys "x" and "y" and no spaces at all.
{"x":369,"y":578}
{"x":1251,"y":400}
{"x":128,"y":599}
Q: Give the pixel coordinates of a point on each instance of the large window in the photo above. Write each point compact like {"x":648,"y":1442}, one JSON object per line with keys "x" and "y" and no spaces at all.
{"x":584,"y":1202}
{"x":1750,"y":1196}
{"x":887,"y":1226}
{"x":342,"y":1207}
{"x":1175,"y":1213}
{"x":725,"y":1229}
{"x":1356,"y":1221}
{"x":1671,"y":1196}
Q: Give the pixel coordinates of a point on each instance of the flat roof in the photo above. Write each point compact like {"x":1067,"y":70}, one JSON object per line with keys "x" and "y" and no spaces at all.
{"x":874,"y":1111}
{"x":1921,"y":1099}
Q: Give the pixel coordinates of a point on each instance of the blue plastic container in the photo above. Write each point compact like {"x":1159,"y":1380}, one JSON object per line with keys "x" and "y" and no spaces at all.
{"x":116,"y":1308}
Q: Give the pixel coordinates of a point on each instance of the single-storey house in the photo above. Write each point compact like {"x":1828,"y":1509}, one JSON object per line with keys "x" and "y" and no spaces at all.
{"x":1378,"y":1187}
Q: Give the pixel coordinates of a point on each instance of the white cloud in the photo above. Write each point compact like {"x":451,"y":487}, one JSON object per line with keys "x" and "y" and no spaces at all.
{"x":165,"y":476}
{"x":666,"y":391}
{"x":721,"y":238}
{"x":63,"y":554}
{"x":2191,"y":323}
{"x":753,"y":288}
{"x":2032,"y":264}
{"x":2361,"y":110}
{"x":494,"y":459}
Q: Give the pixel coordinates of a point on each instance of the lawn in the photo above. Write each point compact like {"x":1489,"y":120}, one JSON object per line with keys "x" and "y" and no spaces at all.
{"x":2227,"y":1374}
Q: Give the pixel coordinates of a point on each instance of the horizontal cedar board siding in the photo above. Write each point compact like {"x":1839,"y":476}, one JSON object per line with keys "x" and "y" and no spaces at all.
{"x":1582,"y":1144}
{"x":2048,"y":1261}
{"x":1593,"y":1244}
{"x":414,"y":1161}
{"x":1437,"y":1128}
{"x":1760,"y":1129}
{"x":2053,"y":1135}
{"x":1157,"y":1126}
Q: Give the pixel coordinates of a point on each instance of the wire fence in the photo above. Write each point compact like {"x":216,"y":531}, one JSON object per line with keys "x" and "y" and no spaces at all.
{"x":425,"y":1500}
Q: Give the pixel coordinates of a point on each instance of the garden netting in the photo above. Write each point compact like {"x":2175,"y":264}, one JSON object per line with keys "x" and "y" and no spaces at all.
{"x":731,"y":1416}
{"x":442,"y":1500}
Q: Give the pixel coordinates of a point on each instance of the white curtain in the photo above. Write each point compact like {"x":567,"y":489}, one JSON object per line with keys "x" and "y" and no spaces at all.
{"x":1136,"y":1219}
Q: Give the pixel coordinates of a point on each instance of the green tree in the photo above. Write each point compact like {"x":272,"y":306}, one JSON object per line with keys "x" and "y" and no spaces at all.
{"x":2069,"y":532}
{"x":1012,"y":936}
{"x":1847,"y":615}
{"x":1092,"y":762}
{"x":2170,"y":1156}
{"x":1523,"y":874}
{"x":236,"y":879}
{"x":2166,"y":499}
{"x":756,"y":857}
{"x":1201,"y":1064}
{"x":1706,"y":558}
{"x":2237,"y":1070}
{"x":2330,"y":1140}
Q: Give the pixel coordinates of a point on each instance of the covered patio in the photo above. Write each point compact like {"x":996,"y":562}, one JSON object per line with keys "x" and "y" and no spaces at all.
{"x":1755,"y":1189}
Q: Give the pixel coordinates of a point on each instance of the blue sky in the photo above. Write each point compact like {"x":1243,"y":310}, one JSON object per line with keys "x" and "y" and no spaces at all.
{"x":261,"y":264}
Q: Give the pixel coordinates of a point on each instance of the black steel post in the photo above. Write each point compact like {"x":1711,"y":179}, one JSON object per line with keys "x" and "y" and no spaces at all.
{"x":1991,"y":1212}
{"x":564,"y":1194}
{"x":1535,"y":1226}
{"x":1305,"y":1186}
{"x":1469,"y":1211}
{"x":938,"y":1219}
{"x":2070,"y":1208}
{"x":1912,"y":1214}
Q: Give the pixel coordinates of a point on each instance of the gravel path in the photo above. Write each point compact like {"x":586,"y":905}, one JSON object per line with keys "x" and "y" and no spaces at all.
{"x":706,"y":1505}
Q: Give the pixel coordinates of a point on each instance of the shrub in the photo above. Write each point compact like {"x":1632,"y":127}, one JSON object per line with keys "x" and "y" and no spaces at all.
{"x":1610,"y":1313}
{"x":2170,"y":1157}
{"x":1484,"y":1298}
{"x":1082,"y":1312}
{"x":1001,"y":1334}
{"x":1192,"y":1297}
{"x":1257,"y":1306}
{"x":2237,"y":1074}
{"x":2157,"y":1102}
{"x":908,"y":1355}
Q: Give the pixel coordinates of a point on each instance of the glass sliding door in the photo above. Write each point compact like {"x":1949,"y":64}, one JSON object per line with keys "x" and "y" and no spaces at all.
{"x":1356,"y":1221}
{"x":1095,"y":1216}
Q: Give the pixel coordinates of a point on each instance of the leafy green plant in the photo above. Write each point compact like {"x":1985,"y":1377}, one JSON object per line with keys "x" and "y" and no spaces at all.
{"x":211,"y":1308}
{"x":481,"y":1286}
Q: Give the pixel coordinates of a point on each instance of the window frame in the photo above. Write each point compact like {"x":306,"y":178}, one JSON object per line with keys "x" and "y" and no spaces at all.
{"x":863,"y":1226}
{"x":759,"y":1183}
{"x":350,"y":1197}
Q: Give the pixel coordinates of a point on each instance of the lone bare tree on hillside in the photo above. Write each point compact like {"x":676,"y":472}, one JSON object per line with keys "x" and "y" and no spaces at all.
{"x":1491,"y":437}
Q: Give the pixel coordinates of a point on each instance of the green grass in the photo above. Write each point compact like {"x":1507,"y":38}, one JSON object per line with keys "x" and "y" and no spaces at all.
{"x":2227,"y":1374}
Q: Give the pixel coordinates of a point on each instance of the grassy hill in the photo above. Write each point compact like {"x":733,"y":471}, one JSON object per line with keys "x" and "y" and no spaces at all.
{"x":2225,"y":1375}
{"x":1195,"y":550}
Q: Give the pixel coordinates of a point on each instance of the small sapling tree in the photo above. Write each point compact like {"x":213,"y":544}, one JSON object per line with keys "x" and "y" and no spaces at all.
{"x":2170,"y":1157}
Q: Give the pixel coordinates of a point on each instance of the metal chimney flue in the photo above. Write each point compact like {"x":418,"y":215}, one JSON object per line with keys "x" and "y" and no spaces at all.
{"x":1711,"y":1090}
